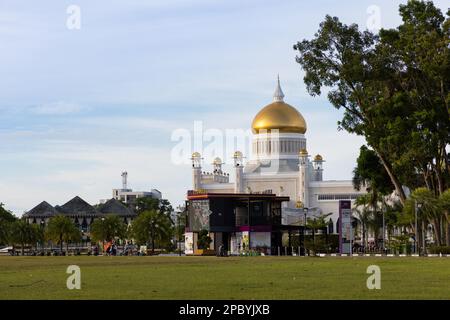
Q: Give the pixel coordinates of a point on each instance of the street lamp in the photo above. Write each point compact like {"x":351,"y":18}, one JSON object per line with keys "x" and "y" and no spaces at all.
{"x":103,"y":241}
{"x":305,"y":211}
{"x":42,"y":240}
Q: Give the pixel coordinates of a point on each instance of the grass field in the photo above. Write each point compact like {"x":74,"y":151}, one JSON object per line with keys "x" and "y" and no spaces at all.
{"x":224,"y":278}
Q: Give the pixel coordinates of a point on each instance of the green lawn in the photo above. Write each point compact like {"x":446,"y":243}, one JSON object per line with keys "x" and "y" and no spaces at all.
{"x":224,"y":278}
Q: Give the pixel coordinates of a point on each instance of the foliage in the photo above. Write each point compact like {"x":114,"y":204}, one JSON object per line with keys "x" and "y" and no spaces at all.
{"x":108,"y":228}
{"x":152,"y":227}
{"x":440,"y":249}
{"x":149,"y":204}
{"x":61,"y":229}
{"x":204,"y":240}
{"x":22,"y":233}
{"x":370,"y":173}
{"x":5,"y":215}
{"x":393,"y":88}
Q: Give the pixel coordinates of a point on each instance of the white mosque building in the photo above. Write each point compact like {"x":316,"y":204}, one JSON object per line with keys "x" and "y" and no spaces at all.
{"x":280,"y":164}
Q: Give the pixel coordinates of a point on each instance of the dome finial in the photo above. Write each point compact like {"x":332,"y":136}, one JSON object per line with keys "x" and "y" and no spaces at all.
{"x":278,"y":94}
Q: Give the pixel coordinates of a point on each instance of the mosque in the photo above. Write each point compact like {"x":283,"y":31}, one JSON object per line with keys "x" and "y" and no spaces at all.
{"x":279,"y":165}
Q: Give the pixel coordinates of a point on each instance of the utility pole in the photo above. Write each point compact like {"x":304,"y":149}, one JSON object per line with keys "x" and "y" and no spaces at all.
{"x":415,"y":227}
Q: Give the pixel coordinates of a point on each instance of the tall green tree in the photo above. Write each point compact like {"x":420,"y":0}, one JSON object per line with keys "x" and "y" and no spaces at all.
{"x":444,"y":204}
{"x":393,"y":88}
{"x":6,"y":218}
{"x":429,"y":212}
{"x":152,"y":227}
{"x":317,"y":223}
{"x":147,"y":204}
{"x":61,"y":229}
{"x":22,"y":233}
{"x":108,"y":228}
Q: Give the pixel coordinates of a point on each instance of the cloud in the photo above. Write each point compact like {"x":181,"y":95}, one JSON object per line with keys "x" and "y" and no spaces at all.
{"x":57,"y":108}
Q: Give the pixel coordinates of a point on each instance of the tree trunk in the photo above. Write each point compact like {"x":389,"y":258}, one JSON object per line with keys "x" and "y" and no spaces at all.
{"x":23,"y":248}
{"x":437,"y":231}
{"x":60,"y":244}
{"x":394,"y":179}
{"x":447,"y":228}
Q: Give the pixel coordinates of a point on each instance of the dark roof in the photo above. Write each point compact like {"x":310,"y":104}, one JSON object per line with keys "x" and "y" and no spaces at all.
{"x":114,"y":206}
{"x":42,"y":209}
{"x":77,"y":206}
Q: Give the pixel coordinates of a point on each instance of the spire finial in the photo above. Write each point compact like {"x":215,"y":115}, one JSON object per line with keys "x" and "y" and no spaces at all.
{"x":278,"y":95}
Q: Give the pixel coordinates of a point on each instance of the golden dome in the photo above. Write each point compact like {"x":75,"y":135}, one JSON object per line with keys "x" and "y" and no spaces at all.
{"x":279,"y":115}
{"x":303,"y":152}
{"x":318,"y":157}
{"x":196,"y":155}
{"x":217,"y":161}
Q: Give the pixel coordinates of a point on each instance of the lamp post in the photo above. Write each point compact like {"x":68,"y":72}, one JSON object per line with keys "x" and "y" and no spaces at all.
{"x":384,"y":231}
{"x":415,"y":226}
{"x":103,"y":241}
{"x":42,"y":240}
{"x":305,"y":211}
{"x":417,"y":207}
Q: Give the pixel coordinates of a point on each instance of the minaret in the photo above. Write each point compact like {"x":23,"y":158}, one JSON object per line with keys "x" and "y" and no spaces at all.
{"x":303,"y":178}
{"x":318,"y":167}
{"x":239,"y":172}
{"x":196,"y":171}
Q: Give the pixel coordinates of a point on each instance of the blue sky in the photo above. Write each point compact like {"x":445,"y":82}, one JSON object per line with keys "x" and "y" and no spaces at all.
{"x":77,"y":107}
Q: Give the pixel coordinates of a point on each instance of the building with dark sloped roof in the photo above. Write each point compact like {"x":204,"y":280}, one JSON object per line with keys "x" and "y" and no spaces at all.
{"x":77,"y":207}
{"x":81,"y":212}
{"x":42,"y":211}
{"x":114,"y":206}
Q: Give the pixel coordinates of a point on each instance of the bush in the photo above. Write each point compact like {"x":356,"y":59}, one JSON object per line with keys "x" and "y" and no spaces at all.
{"x":441,"y":249}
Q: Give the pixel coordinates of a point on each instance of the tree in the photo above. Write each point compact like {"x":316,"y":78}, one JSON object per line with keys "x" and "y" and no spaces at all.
{"x":61,"y":229}
{"x":393,"y":88}
{"x":148,"y":204}
{"x":108,"y":228}
{"x":370,"y":173}
{"x":23,"y":233}
{"x":444,"y":204}
{"x":364,"y":214}
{"x":151,"y":226}
{"x":317,"y":223}
{"x":6,"y":218}
{"x":429,"y":212}
{"x":204,"y":240}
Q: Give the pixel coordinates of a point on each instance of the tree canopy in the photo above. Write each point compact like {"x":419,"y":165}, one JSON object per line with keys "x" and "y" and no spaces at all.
{"x":393,"y":88}
{"x":108,"y":228}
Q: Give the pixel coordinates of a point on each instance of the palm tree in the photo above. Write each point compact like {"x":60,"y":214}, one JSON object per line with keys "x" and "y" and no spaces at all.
{"x":429,"y":210}
{"x":363,"y":215}
{"x":317,"y":223}
{"x":61,"y":229}
{"x":152,"y":226}
{"x":23,"y":233}
{"x":444,"y":204}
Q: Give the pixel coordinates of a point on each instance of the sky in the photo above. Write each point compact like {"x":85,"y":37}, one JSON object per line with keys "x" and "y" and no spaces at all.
{"x":89,"y":91}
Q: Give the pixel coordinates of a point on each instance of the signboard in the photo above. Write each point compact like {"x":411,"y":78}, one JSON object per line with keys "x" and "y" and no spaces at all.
{"x":189,"y":243}
{"x":345,"y":227}
{"x":199,"y":215}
